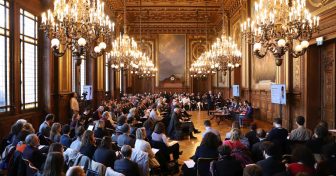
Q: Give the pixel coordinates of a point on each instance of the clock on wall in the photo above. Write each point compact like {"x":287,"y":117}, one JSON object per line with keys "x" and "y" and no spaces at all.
{"x":172,"y":78}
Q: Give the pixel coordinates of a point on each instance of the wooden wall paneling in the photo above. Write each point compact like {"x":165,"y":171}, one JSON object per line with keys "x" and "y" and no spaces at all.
{"x":313,"y":87}
{"x":328,"y":83}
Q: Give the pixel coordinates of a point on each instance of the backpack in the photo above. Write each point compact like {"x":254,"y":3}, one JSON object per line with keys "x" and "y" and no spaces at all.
{"x":6,"y":157}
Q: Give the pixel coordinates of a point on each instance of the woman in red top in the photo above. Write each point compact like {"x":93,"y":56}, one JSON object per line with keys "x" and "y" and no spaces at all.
{"x":304,"y":161}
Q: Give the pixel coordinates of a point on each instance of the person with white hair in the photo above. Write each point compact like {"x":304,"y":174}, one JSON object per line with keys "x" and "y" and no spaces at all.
{"x":177,"y":125}
{"x":154,"y":115}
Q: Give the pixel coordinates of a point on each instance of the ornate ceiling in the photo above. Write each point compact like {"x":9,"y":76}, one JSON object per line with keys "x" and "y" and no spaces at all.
{"x":173,"y":16}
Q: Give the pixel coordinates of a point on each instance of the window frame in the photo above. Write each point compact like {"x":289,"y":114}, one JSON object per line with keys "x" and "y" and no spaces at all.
{"x":7,"y":57}
{"x":35,"y":42}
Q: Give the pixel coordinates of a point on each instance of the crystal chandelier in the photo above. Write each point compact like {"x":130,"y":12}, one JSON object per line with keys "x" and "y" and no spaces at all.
{"x":225,"y":54}
{"x":124,"y":49}
{"x":79,"y":25}
{"x":145,"y":68}
{"x":280,"y":26}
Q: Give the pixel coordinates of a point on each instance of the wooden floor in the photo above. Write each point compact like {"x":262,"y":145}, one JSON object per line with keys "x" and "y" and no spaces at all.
{"x":188,"y":146}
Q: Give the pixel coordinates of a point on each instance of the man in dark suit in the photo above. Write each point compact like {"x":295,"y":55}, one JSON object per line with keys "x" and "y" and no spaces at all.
{"x":32,"y":153}
{"x":45,"y":127}
{"x":125,"y":165}
{"x":176,"y":124}
{"x":125,"y":139}
{"x":278,"y":135}
{"x":271,"y":165}
{"x":209,"y":101}
{"x":256,"y":150}
{"x":65,"y":138}
{"x":226,"y":164}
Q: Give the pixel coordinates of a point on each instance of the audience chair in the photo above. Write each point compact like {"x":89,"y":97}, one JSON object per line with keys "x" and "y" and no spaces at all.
{"x":30,"y":169}
{"x":111,"y":172}
{"x":203,"y":166}
{"x":97,"y":168}
{"x":83,"y":161}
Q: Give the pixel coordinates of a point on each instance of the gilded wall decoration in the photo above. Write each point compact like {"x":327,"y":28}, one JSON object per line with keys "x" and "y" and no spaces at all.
{"x":318,"y":3}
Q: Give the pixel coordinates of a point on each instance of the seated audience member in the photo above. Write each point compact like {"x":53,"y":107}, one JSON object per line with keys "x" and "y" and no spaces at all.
{"x":100,"y":132}
{"x":271,"y":165}
{"x":278,"y":135}
{"x":149,"y":126}
{"x":16,"y":128}
{"x":109,"y":123}
{"x":120,"y":122}
{"x":328,"y":164}
{"x":207,"y":149}
{"x":142,"y":145}
{"x":32,"y":153}
{"x":98,"y":113}
{"x":303,"y":161}
{"x":125,"y":139}
{"x":55,"y":132}
{"x":75,"y":171}
{"x":239,"y":150}
{"x":177,"y":125}
{"x":208,"y":128}
{"x":234,"y":125}
{"x":45,"y":127}
{"x":319,"y":139}
{"x":104,"y":153}
{"x":54,"y":164}
{"x":252,"y":134}
{"x":125,"y":165}
{"x":75,"y":119}
{"x":257,"y":153}
{"x":155,"y":116}
{"x":132,"y":124}
{"x":56,"y":147}
{"x":159,"y":136}
{"x":20,"y":140}
{"x":88,"y":145}
{"x":65,"y":138}
{"x":76,"y":144}
{"x":300,"y":133}
{"x":252,"y":170}
{"x":28,"y":127}
{"x":226,"y":164}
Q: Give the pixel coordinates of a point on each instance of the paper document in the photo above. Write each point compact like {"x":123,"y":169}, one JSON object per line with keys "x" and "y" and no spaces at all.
{"x":171,"y":143}
{"x":155,"y":150}
{"x":190,"y":163}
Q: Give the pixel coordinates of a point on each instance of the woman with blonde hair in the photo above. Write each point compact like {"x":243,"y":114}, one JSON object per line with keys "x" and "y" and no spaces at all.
{"x":239,"y":150}
{"x":142,"y":145}
{"x":55,"y":132}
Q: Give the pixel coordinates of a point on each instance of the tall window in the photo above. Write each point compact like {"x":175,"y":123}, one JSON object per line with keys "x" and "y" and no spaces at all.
{"x":106,"y":74}
{"x":4,"y":56}
{"x":82,"y":75}
{"x":29,"y":60}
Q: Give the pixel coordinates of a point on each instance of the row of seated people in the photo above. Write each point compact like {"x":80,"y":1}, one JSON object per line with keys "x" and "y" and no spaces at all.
{"x":123,"y":131}
{"x":274,"y":153}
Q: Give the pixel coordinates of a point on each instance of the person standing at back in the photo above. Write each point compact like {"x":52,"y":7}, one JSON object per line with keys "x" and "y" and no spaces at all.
{"x":74,"y":105}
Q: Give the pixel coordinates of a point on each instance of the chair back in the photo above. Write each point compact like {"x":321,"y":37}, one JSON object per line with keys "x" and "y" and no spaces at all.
{"x":111,"y":172}
{"x":82,"y":160}
{"x":203,"y":166}
{"x":97,"y":167}
{"x":30,"y":168}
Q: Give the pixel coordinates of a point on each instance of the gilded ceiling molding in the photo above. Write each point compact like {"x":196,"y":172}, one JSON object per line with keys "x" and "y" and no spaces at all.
{"x":324,"y":7}
{"x":318,"y":3}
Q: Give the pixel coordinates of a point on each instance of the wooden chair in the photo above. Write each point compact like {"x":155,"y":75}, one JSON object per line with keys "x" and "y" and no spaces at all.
{"x":203,"y":166}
